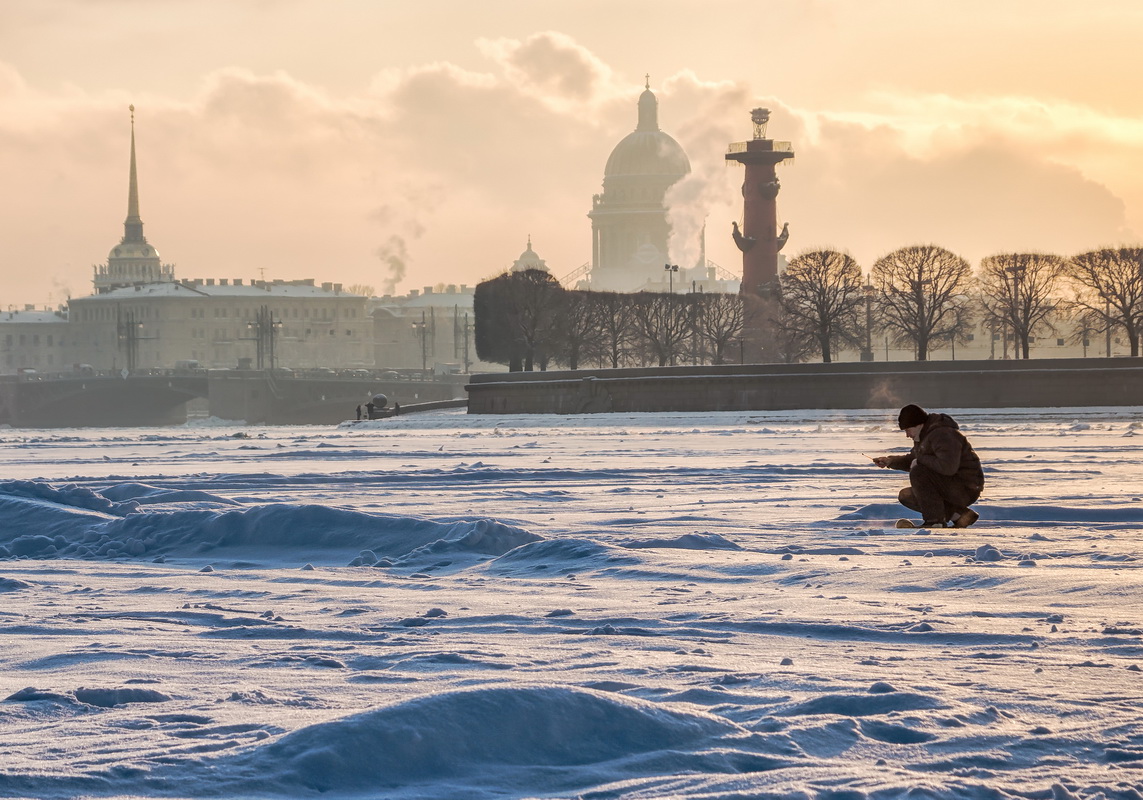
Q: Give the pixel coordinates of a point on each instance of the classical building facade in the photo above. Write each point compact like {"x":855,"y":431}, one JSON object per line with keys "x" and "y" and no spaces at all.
{"x":35,"y":339}
{"x":429,"y":329}
{"x":221,"y":324}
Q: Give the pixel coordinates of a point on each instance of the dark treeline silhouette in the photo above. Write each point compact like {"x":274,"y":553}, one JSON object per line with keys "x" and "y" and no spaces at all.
{"x":921,"y":297}
{"x":526,"y":321}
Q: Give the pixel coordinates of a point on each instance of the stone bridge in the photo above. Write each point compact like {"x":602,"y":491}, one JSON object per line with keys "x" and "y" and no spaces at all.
{"x":155,"y":398}
{"x":66,"y":401}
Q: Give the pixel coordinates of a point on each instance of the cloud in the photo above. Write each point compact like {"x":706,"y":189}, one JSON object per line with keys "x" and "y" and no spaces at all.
{"x":551,"y":66}
{"x":873,"y":183}
{"x":263,"y":170}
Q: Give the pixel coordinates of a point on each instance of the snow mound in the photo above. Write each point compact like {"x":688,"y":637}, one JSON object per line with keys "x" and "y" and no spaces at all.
{"x":862,"y":705}
{"x":144,"y":494}
{"x":38,"y":520}
{"x":67,"y":495}
{"x":466,"y":733}
{"x":109,"y":698}
{"x":688,"y":541}
{"x":485,"y":537}
{"x":580,"y":553}
{"x":103,"y":698}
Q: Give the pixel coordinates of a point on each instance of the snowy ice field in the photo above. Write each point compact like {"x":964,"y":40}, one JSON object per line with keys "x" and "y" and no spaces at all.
{"x":610,"y":606}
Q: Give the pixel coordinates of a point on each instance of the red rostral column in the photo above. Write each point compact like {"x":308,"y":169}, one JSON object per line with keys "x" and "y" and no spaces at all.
{"x":758,"y":240}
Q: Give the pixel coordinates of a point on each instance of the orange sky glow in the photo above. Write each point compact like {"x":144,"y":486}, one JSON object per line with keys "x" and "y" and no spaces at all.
{"x":407,"y":144}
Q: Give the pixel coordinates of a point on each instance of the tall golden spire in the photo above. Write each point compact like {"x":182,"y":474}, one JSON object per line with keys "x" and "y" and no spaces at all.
{"x":133,"y":225}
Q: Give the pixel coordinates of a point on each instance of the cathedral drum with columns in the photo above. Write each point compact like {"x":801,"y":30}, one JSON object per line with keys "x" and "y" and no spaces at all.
{"x":629,"y":223}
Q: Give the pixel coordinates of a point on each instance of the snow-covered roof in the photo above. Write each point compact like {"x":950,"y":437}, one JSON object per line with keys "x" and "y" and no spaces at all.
{"x":182,"y":289}
{"x":431,"y":300}
{"x":40,"y":317}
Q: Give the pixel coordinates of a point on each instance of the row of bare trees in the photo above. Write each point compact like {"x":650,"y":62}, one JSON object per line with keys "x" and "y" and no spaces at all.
{"x":922,"y":297}
{"x":527,"y":321}
{"x":926,"y":297}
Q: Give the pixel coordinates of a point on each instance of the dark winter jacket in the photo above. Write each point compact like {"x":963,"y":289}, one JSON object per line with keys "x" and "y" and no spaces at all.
{"x":943,"y":449}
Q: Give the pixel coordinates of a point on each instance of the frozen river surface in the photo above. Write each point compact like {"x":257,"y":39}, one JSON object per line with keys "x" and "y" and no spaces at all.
{"x":611,"y":606}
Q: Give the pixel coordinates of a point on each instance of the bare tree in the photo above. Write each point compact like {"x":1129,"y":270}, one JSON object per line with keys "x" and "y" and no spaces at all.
{"x":515,"y":318}
{"x":362,"y":289}
{"x":920,"y":287}
{"x":785,"y":341}
{"x":821,"y":295}
{"x":1109,"y":287}
{"x":1021,"y":291}
{"x":537,"y":299}
{"x":662,"y":324}
{"x":720,"y":321}
{"x":1085,"y":325}
{"x":578,"y":328}
{"x":962,"y":326}
{"x":615,"y":328}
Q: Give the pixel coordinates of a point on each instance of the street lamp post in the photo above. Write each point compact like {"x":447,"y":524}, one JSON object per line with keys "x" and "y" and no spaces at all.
{"x":1018,"y":336}
{"x":467,"y":362}
{"x":671,"y":270}
{"x":867,"y":290}
{"x":421,"y":329}
{"x":265,"y":330}
{"x":1107,"y":323}
{"x":128,"y":329}
{"x":922,"y":320}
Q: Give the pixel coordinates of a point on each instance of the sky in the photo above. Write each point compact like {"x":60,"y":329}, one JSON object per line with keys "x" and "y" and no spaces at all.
{"x":406,"y":144}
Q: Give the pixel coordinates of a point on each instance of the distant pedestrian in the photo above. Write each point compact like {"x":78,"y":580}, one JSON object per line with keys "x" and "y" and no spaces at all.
{"x":396,"y":409}
{"x":369,"y":408}
{"x":945,"y":476}
{"x":359,"y":411}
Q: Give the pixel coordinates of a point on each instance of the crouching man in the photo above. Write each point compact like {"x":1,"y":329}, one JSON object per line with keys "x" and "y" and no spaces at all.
{"x":945,"y":477}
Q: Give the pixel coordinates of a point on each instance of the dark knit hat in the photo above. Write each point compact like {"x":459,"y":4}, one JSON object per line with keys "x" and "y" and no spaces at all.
{"x":911,"y":415}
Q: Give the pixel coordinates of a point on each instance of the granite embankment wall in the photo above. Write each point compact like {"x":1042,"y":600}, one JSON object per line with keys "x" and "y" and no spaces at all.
{"x":757,"y":387}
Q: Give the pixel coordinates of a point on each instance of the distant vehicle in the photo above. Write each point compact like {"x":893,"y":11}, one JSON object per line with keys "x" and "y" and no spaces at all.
{"x":187,"y":363}
{"x":358,"y":373}
{"x":83,"y":369}
{"x":322,"y":372}
{"x":390,"y":375}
